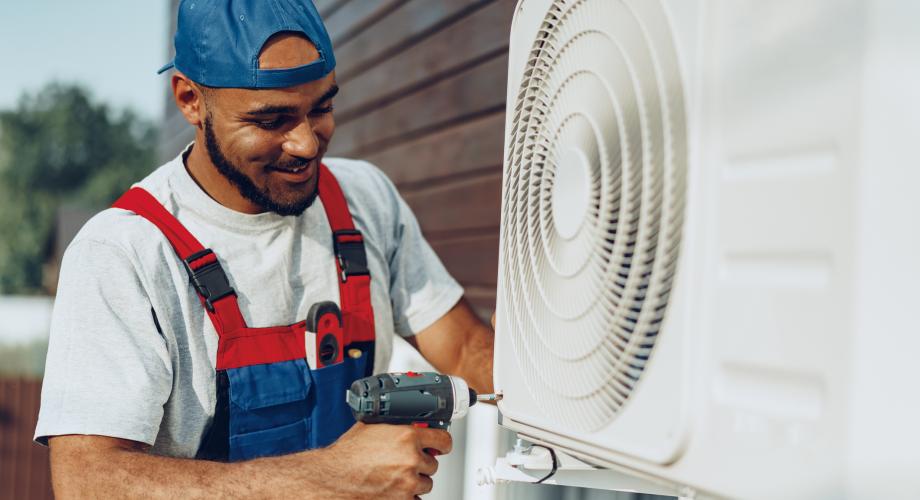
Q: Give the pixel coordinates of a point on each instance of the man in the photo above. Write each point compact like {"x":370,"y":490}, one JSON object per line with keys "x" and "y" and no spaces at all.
{"x":178,"y":328}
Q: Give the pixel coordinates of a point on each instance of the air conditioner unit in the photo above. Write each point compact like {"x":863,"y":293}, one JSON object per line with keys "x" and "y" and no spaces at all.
{"x":710,"y":248}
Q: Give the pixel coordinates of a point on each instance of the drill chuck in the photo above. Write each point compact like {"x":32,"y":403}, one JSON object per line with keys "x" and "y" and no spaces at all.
{"x":429,"y":399}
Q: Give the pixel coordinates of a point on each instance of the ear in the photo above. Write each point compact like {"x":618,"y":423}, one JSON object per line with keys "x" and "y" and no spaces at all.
{"x":189,"y":99}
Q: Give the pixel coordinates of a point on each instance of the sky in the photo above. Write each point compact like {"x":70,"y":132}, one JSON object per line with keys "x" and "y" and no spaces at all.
{"x":113,"y":47}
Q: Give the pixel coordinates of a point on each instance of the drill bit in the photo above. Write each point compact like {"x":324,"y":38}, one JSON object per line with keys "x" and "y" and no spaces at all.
{"x":489,"y":397}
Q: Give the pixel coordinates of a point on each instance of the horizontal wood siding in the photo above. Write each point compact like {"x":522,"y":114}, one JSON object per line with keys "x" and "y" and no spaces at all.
{"x":392,"y":34}
{"x":423,"y":98}
{"x":462,"y":150}
{"x":24,"y":470}
{"x":355,"y":17}
{"x":474,"y":92}
{"x":470,"y":40}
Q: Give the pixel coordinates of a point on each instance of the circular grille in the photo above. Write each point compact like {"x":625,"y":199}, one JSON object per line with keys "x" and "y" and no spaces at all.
{"x":593,"y":204}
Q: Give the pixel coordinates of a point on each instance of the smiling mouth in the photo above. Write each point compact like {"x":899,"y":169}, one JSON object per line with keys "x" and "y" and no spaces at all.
{"x":297,"y":175}
{"x":296,"y":170}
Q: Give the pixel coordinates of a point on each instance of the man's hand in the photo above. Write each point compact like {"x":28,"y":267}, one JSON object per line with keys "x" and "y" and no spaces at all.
{"x":368,"y":462}
{"x":388,"y":461}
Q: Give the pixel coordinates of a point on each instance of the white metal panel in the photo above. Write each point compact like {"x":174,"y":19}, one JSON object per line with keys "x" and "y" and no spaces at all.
{"x":785,"y":369}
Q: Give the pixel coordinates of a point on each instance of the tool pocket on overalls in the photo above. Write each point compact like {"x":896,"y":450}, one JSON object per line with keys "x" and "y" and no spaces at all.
{"x":269,"y":410}
{"x":329,"y":409}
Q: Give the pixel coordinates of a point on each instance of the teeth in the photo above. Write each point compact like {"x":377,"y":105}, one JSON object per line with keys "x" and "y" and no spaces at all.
{"x":294,"y":170}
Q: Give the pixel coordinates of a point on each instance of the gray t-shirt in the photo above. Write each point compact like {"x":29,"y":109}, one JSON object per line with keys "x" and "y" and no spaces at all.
{"x":112,"y":371}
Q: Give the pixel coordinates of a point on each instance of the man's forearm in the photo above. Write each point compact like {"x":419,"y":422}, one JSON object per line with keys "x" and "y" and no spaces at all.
{"x":475,"y":363}
{"x":367,"y":462}
{"x":459,"y":343}
{"x":82,"y":472}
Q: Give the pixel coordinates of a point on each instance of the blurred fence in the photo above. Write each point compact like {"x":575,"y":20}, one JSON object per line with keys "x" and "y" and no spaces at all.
{"x":24,"y":471}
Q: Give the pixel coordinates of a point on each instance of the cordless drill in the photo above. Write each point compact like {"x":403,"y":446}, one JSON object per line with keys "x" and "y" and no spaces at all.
{"x":424,"y":399}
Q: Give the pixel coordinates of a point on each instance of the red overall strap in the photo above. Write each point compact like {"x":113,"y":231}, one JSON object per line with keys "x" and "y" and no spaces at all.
{"x":351,"y":262}
{"x":238,"y":344}
{"x":201,"y":264}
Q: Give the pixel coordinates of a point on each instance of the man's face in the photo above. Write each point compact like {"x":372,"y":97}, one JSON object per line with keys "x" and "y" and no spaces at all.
{"x":269,"y":143}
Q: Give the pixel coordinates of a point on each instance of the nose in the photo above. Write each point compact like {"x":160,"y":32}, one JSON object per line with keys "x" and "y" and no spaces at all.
{"x":301,"y":141}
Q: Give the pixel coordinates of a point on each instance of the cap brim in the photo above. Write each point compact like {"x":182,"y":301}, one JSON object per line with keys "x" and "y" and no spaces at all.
{"x":168,"y":66}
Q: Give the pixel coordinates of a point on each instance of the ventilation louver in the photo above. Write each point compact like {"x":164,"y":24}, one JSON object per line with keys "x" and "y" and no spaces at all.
{"x":593,"y":205}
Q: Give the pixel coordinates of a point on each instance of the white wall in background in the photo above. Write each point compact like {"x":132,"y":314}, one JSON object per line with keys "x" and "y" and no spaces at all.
{"x":24,"y":319}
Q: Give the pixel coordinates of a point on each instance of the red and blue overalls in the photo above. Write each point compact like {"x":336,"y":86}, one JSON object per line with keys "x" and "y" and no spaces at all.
{"x":269,"y":400}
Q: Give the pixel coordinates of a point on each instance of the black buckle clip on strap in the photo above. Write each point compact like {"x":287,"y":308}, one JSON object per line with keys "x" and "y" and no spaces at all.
{"x":350,"y":254}
{"x":209,"y":280}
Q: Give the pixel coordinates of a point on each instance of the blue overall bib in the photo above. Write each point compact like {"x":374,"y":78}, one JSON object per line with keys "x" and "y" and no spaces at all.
{"x":270,"y":400}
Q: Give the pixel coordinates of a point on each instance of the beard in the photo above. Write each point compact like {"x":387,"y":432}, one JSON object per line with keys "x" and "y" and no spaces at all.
{"x":247,"y":188}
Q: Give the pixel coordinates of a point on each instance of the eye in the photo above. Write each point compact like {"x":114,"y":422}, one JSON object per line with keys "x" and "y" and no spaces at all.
{"x":271,"y":124}
{"x":321,"y":111}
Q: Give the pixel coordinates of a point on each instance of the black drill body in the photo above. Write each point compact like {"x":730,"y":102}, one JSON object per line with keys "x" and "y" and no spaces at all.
{"x":425,"y":399}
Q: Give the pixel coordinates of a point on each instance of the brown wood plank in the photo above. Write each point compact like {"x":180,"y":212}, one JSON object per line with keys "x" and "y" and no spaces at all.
{"x":472,"y":147}
{"x":478,"y":37}
{"x":13,"y":462}
{"x":6,"y":434}
{"x":465,"y":205}
{"x":322,"y":5}
{"x":23,"y":440}
{"x":355,"y":17}
{"x":23,"y":462}
{"x":24,"y":470}
{"x":327,"y":8}
{"x":483,"y":301}
{"x":409,"y":24}
{"x":38,"y":477}
{"x":471,"y":260}
{"x":473,"y":92}
{"x":20,"y":449}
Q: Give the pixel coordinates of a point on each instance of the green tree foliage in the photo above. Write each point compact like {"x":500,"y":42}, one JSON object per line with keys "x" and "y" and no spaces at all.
{"x":60,"y":147}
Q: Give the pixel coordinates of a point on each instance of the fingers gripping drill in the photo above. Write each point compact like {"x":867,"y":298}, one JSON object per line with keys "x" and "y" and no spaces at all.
{"x":424,"y":399}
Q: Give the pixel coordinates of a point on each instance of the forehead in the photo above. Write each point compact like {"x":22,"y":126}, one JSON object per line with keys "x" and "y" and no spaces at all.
{"x":303,"y":97}
{"x":287,"y":50}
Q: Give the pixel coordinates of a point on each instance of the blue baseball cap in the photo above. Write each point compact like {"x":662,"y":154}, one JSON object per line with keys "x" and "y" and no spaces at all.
{"x":218,"y":42}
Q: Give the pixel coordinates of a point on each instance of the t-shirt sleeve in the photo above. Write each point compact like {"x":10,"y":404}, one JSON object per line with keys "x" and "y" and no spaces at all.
{"x":108,"y":370}
{"x":421,"y":289}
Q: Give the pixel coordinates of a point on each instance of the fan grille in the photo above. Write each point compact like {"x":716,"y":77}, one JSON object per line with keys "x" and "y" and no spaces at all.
{"x":586,"y":284}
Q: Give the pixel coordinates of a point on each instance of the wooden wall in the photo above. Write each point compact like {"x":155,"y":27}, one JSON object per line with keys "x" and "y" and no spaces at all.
{"x":175,"y":133}
{"x":24,"y":471}
{"x":423,"y":97}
